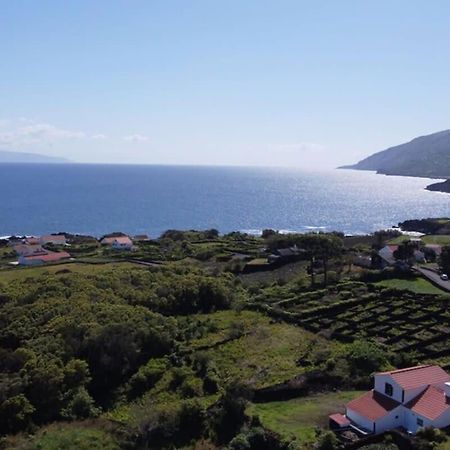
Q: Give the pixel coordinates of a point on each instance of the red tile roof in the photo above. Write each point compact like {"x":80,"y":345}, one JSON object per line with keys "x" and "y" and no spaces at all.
{"x":53,"y":238}
{"x":431,"y":403}
{"x":414,"y":377}
{"x":372,"y":405}
{"x":123,"y":240}
{"x":340,"y":419}
{"x":48,"y":256}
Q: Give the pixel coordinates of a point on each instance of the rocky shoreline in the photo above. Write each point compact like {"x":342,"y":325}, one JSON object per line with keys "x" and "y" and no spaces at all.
{"x":443,"y":186}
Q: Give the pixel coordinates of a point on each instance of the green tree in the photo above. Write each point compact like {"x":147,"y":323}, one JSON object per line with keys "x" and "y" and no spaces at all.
{"x":15,"y":414}
{"x":328,"y":441}
{"x":444,"y":260}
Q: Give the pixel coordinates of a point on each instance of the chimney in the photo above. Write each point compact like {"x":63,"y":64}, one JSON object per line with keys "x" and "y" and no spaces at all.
{"x":447,"y":389}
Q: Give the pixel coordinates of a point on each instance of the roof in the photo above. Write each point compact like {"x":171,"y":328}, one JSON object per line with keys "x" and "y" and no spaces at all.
{"x":431,"y":403}
{"x":414,"y":377}
{"x":372,"y":405}
{"x":122,"y":240}
{"x":141,"y":237}
{"x":53,"y":237}
{"x":27,"y":249}
{"x":48,"y":256}
{"x":340,"y":419}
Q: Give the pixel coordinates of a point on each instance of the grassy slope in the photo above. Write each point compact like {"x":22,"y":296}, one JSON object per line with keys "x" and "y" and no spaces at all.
{"x":299,"y":417}
{"x":66,"y":436}
{"x":21,"y":273}
{"x":428,"y":239}
{"x":418,"y":285}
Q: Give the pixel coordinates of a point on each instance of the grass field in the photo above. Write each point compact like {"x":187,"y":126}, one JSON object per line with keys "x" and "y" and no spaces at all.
{"x":435,"y":239}
{"x":418,"y":285}
{"x":299,"y":417}
{"x":428,"y":239}
{"x":21,"y":273}
{"x":75,"y":436}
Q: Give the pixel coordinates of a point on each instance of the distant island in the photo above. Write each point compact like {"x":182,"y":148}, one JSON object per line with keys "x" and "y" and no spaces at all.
{"x":425,"y":156}
{"x":21,"y":157}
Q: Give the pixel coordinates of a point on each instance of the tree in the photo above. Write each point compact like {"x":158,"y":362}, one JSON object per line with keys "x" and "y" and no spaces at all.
{"x":365,"y":357}
{"x":405,"y":251}
{"x":328,"y":441}
{"x":15,"y":414}
{"x":444,"y":260}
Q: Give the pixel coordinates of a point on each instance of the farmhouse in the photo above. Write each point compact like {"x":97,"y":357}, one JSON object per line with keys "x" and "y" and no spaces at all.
{"x":409,"y":398}
{"x":27,"y":250}
{"x":43,"y":257}
{"x":118,"y":242}
{"x":55,"y":239}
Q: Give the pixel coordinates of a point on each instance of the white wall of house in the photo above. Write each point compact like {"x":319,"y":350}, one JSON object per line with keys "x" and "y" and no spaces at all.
{"x":30,"y":262}
{"x":379,"y":386}
{"x":410,"y":422}
{"x":359,"y":420}
{"x":443,"y":420}
{"x":392,"y":419}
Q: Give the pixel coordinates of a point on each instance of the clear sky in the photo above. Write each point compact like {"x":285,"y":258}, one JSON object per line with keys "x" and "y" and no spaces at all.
{"x":240,"y":82}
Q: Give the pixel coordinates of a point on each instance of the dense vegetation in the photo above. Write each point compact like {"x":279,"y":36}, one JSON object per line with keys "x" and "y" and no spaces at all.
{"x":188,"y":352}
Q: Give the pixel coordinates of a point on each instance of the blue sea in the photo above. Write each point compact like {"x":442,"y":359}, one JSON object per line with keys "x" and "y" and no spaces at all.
{"x":96,"y":199}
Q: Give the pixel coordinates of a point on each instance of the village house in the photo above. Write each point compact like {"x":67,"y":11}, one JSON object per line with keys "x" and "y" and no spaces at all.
{"x":141,"y":238}
{"x":54,"y":239}
{"x":27,"y":250}
{"x":43,"y":257}
{"x":118,"y":242}
{"x":409,"y":398}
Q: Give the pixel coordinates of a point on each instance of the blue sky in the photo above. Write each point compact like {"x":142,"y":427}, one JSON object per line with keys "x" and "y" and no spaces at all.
{"x":240,"y":82}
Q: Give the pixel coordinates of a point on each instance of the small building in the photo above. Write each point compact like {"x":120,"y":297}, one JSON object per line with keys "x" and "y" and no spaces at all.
{"x":141,"y":238}
{"x":32,"y":240}
{"x":43,"y":257}
{"x":435,"y":248}
{"x":54,"y":239}
{"x":411,"y":398}
{"x":27,"y":250}
{"x":122,"y":243}
{"x":386,"y":255}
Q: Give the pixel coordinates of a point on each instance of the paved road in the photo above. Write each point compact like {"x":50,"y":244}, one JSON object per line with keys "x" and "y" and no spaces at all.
{"x":434,"y":277}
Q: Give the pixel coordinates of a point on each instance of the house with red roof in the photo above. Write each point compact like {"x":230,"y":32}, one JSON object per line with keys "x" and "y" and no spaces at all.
{"x":118,"y":242}
{"x":54,"y":239}
{"x":42,"y":257}
{"x":409,"y":398}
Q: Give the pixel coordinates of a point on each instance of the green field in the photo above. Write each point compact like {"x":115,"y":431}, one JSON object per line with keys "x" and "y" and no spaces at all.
{"x":418,"y":285}
{"x":22,"y":273}
{"x":428,"y":239}
{"x":299,"y":417}
{"x":436,"y":239}
{"x":76,"y":436}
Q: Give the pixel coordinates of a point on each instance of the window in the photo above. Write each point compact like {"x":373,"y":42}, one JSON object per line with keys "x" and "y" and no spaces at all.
{"x":388,"y":389}
{"x":420,"y":422}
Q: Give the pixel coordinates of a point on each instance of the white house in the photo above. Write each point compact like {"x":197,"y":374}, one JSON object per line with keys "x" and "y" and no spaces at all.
{"x":122,"y":243}
{"x":43,"y":257}
{"x":409,"y":398}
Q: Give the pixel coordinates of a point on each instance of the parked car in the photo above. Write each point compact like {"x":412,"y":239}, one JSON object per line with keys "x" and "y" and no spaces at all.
{"x":444,"y":277}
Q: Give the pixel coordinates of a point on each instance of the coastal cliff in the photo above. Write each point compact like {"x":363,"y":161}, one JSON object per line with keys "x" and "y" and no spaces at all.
{"x":425,"y":156}
{"x":443,"y":186}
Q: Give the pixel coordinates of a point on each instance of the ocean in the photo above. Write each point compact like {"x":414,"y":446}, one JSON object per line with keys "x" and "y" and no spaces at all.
{"x":97,"y":199}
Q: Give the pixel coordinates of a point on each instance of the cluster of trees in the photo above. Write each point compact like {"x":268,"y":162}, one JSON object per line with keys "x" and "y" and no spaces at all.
{"x":71,"y":343}
{"x":321,"y":247}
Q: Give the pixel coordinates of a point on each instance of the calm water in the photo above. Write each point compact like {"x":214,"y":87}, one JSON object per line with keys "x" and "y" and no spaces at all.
{"x":96,"y":199}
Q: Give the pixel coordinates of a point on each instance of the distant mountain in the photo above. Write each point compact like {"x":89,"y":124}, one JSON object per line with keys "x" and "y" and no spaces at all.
{"x":19,"y":157}
{"x":425,"y":156}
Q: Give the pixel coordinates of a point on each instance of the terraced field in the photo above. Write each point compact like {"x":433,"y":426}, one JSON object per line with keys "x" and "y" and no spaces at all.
{"x":406,"y":322}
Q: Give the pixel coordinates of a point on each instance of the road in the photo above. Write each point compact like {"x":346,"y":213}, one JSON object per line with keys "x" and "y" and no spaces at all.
{"x":434,"y":277}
